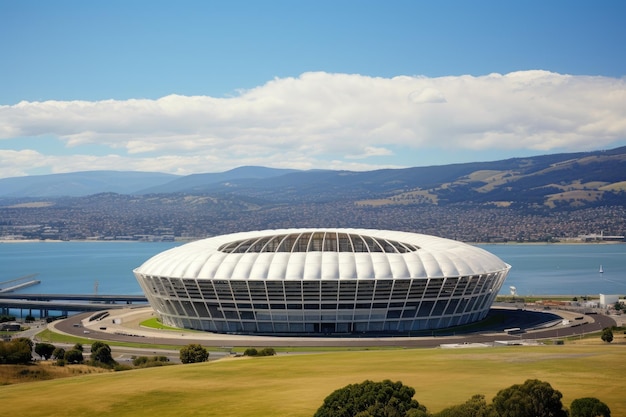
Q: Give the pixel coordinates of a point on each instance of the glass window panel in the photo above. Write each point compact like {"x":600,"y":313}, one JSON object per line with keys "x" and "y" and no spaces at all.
{"x":425,"y":308}
{"x":330,"y":242}
{"x":434,"y":285}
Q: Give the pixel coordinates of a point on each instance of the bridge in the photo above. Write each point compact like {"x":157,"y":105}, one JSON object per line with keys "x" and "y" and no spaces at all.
{"x":65,"y":303}
{"x":18,"y":283}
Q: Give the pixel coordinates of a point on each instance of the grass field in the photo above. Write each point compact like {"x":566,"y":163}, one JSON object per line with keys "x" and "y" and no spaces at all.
{"x":295,"y":384}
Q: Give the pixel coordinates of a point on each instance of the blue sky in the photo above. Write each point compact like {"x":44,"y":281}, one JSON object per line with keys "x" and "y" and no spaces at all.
{"x":202,"y":86}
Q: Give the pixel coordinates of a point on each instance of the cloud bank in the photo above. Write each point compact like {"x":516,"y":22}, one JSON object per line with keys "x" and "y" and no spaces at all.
{"x":318,"y":120}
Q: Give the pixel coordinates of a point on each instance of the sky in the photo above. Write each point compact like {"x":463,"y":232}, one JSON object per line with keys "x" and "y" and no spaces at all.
{"x":187,"y":87}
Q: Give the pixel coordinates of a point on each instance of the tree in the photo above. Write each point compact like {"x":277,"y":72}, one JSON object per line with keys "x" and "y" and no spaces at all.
{"x":474,"y":407}
{"x":607,"y":335}
{"x":101,"y":352}
{"x":58,"y":353}
{"x":26,"y":341}
{"x":532,"y":398}
{"x":74,"y":356}
{"x":5,"y":317}
{"x":589,"y":407}
{"x":44,"y":350}
{"x":372,"y":399}
{"x":79,"y":347}
{"x":17,"y":351}
{"x":193,"y":353}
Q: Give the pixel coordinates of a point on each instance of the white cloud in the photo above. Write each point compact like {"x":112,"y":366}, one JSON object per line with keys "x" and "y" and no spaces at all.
{"x":370,"y":151}
{"x":427,"y":95}
{"x":320,"y":120}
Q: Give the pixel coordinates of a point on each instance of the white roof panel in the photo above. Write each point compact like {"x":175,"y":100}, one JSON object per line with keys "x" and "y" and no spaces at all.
{"x":384,"y":254}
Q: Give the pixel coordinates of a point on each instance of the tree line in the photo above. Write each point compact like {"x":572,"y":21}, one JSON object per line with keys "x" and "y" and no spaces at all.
{"x":533,"y":398}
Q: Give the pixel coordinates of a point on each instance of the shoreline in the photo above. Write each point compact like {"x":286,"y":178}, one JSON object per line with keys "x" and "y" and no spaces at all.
{"x":185,"y":240}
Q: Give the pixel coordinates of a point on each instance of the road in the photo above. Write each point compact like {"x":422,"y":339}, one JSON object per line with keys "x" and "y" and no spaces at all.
{"x":533,"y":320}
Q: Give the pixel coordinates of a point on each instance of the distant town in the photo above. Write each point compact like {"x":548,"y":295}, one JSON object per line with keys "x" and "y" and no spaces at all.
{"x":118,"y":217}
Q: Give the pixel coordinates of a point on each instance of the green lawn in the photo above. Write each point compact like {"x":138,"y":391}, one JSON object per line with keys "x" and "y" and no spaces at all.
{"x":295,"y":384}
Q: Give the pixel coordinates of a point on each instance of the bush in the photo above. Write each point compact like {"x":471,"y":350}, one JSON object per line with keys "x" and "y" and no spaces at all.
{"x":45,"y":350}
{"x":251,"y":352}
{"x":119,"y":367}
{"x":193,"y":353}
{"x":146,"y":362}
{"x":5,"y":318}
{"x":607,"y":335}
{"x":101,"y":354}
{"x":16,"y":351}
{"x":74,"y":356}
{"x":267,"y":352}
{"x":59,"y":353}
{"x":262,"y":352}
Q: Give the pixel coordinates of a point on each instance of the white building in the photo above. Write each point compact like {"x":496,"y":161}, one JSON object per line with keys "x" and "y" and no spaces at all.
{"x":608,"y":300}
{"x":321,"y":281}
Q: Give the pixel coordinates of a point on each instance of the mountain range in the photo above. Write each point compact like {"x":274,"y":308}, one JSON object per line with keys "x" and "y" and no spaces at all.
{"x":555,"y":180}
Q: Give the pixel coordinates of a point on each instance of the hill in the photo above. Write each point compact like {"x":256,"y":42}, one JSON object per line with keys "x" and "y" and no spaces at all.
{"x":560,"y":180}
{"x":77,"y":184}
{"x":542,"y":198}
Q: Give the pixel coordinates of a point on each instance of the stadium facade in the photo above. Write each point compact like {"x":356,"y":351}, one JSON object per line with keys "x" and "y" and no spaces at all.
{"x":321,"y":281}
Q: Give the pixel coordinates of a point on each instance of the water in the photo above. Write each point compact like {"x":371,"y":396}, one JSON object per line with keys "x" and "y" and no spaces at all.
{"x":563,"y":269}
{"x":78,"y":267}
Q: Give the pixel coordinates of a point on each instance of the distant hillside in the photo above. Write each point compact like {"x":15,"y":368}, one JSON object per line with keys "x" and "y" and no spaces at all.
{"x":564,"y":180}
{"x":77,"y":184}
{"x":568,"y":180}
{"x":200,"y":182}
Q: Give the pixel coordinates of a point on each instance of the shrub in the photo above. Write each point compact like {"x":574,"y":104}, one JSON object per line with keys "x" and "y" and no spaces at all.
{"x":16,"y":351}
{"x":193,"y":353}
{"x":59,"y":353}
{"x":74,"y":356}
{"x":607,"y":335}
{"x":101,"y":354}
{"x":251,"y":352}
{"x":267,"y":352}
{"x":262,"y":352}
{"x":146,"y":362}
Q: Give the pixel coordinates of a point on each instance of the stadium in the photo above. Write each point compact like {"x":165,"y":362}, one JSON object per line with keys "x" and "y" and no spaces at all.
{"x":321,"y":281}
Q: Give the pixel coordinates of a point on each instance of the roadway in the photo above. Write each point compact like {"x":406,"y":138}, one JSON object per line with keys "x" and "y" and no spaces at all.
{"x":537,"y":325}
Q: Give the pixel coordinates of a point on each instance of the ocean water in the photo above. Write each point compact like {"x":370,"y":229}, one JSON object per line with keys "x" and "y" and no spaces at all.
{"x":568,"y":269}
{"x":78,"y":267}
{"x":106,"y":267}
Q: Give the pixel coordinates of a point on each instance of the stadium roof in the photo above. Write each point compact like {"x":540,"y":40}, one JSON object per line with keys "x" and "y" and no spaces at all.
{"x":322,"y":254}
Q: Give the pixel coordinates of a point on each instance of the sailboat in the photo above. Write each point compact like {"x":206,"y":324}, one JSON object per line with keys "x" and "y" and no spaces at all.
{"x":601,"y":270}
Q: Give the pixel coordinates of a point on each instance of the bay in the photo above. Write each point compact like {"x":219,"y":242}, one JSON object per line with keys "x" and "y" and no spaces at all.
{"x":563,"y":269}
{"x":78,"y":267}
{"x":106,"y":267}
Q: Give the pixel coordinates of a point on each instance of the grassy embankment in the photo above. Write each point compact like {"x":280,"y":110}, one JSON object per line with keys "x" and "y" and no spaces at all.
{"x":295,"y":384}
